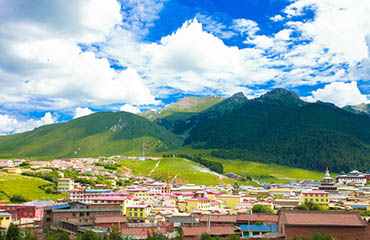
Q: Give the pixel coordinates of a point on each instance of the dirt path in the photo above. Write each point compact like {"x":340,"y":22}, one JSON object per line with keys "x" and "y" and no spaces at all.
{"x":126,"y":170}
{"x":156,"y":165}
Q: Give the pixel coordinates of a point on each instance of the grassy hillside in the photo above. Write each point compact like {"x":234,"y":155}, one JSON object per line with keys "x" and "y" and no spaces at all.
{"x":103,"y":133}
{"x":184,"y":105}
{"x":184,"y":170}
{"x":182,"y":123}
{"x":26,"y":186}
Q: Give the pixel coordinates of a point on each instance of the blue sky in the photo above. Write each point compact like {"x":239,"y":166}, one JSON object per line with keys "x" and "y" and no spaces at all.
{"x":64,"y":60}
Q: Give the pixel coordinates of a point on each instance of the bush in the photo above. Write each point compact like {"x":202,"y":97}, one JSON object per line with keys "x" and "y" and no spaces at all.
{"x":16,"y":198}
{"x":259,"y":208}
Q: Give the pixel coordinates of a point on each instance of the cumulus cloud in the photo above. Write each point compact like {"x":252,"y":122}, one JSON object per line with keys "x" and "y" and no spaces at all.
{"x":80,"y":112}
{"x":339,"y":93}
{"x":9,"y":124}
{"x":42,"y":56}
{"x":129,"y":108}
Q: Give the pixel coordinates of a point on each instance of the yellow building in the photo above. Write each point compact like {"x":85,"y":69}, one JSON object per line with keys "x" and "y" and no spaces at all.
{"x":65,"y":184}
{"x":198,"y":204}
{"x":319,"y":197}
{"x":142,"y":194}
{"x":182,"y":205}
{"x":230,"y":200}
{"x":5,"y":220}
{"x":123,"y":201}
{"x":138,"y":213}
{"x":213,"y":194}
{"x":13,"y":170}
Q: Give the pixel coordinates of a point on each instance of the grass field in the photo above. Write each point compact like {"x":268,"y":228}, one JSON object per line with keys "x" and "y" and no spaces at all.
{"x":184,"y":170}
{"x":262,"y":170}
{"x":26,"y":186}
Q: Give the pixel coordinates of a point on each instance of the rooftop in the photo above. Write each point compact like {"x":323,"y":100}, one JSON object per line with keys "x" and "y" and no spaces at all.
{"x":322,"y":218}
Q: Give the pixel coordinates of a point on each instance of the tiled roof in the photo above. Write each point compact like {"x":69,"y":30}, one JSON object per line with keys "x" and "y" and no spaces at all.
{"x":219,"y":218}
{"x":258,"y":217}
{"x":138,"y":231}
{"x":319,"y":218}
{"x":199,"y":230}
{"x":111,"y":219}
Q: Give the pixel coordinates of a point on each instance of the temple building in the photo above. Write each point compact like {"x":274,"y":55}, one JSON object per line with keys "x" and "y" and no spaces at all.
{"x":327,"y":183}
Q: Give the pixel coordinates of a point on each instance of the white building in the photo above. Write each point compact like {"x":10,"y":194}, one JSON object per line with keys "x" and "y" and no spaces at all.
{"x":352,"y":178}
{"x":6,"y":163}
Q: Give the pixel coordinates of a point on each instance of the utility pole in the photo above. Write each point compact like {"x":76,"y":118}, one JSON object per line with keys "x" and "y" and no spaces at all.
{"x":143,"y":151}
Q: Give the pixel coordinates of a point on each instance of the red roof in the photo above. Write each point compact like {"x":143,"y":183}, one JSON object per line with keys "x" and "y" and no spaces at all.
{"x":258,"y":217}
{"x":219,"y":218}
{"x":320,"y":218}
{"x":138,"y":231}
{"x":110,"y":219}
{"x":199,"y":230}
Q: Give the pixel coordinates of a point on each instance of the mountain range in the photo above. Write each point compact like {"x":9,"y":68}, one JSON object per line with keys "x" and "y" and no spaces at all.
{"x":277,"y":127}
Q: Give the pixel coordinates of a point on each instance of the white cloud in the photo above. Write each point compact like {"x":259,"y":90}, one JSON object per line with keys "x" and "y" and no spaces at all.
{"x":129,"y":108}
{"x":339,"y":93}
{"x":245,"y":26}
{"x":80,"y":112}
{"x":277,"y":18}
{"x":42,"y":63}
{"x":9,"y":124}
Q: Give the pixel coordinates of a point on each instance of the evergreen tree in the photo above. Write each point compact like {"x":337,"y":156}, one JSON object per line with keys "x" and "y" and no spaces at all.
{"x":115,"y":234}
{"x":13,"y":233}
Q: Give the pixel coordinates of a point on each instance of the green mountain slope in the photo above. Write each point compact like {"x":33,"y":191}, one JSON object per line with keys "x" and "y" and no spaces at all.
{"x":103,"y":133}
{"x":181,"y":123}
{"x":280,"y":128}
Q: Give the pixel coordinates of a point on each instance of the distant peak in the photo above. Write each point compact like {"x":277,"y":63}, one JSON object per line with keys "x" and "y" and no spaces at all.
{"x":238,"y":95}
{"x":281,"y":92}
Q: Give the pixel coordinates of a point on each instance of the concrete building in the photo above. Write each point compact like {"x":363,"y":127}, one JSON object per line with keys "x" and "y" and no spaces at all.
{"x":65,"y":184}
{"x":352,"y":178}
{"x":319,"y":197}
{"x":5,"y":220}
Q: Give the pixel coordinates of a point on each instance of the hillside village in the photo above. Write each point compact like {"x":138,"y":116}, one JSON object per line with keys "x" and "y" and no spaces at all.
{"x":97,"y":196}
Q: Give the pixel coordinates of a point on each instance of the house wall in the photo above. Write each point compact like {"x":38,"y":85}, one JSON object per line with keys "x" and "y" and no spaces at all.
{"x":349,"y":233}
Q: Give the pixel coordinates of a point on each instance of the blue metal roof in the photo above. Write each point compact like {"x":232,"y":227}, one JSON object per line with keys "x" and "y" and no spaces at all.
{"x":4,"y":214}
{"x":38,"y":203}
{"x":97,"y":191}
{"x":64,"y":205}
{"x":358,"y":207}
{"x":259,"y":228}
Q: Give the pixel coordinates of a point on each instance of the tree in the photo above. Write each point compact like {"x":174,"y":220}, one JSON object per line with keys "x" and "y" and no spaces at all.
{"x":180,"y":234}
{"x":234,"y":237}
{"x":259,"y":208}
{"x":115,"y":234}
{"x":310,"y":206}
{"x":89,"y":235}
{"x":16,"y":198}
{"x":63,"y":235}
{"x":13,"y":233}
{"x":29,"y":235}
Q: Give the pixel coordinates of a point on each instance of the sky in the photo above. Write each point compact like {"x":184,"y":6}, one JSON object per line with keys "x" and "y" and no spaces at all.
{"x":60,"y":60}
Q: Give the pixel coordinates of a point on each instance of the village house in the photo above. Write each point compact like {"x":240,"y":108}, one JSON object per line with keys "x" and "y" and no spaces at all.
{"x":319,"y":197}
{"x":5,"y":220}
{"x":65,"y":184}
{"x":6,"y":163}
{"x":340,"y":225}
